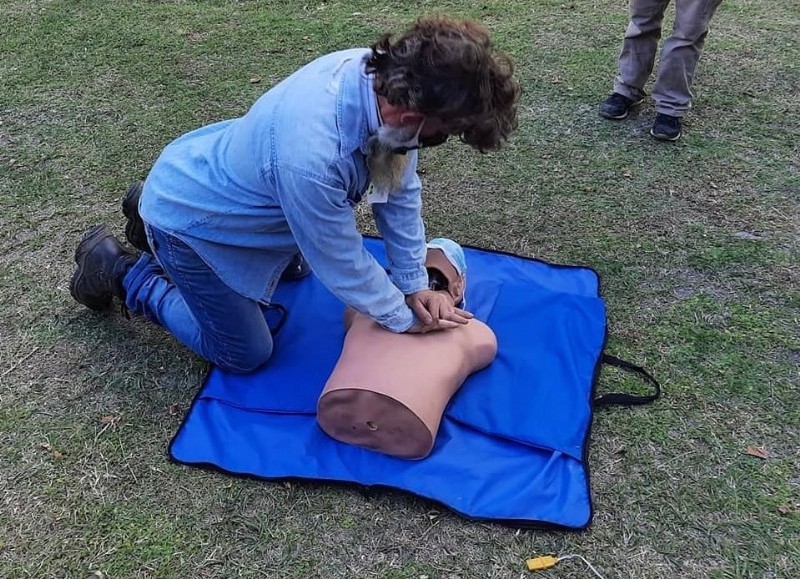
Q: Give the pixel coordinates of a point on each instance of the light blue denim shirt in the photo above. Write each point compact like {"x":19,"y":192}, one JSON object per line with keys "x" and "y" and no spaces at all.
{"x":247,"y":194}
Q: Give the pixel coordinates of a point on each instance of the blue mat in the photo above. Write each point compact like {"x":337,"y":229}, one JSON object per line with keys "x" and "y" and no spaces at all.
{"x":512,"y":445}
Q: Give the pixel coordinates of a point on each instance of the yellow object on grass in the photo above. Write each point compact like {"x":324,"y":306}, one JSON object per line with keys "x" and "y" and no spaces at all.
{"x":541,"y":563}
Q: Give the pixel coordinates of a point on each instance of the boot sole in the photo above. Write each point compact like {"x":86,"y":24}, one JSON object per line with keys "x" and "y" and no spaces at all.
{"x":134,"y":227}
{"x":130,"y":200}
{"x":90,"y":239}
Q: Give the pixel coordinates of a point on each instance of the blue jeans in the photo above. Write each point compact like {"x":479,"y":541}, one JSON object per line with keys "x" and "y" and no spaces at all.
{"x":188,"y":299}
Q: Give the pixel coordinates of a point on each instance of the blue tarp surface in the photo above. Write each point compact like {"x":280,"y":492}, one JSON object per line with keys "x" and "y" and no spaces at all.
{"x":511,"y":446}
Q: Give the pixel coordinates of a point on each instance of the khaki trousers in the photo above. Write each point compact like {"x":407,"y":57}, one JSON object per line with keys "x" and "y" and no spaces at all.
{"x":679,"y":55}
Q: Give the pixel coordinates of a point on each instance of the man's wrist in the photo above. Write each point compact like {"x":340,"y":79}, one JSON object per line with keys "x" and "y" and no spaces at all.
{"x":399,"y":321}
{"x":411,"y":281}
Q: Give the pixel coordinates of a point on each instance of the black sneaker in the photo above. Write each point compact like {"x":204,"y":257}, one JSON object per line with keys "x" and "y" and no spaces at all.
{"x":298,"y":268}
{"x":102,"y":264}
{"x":617,"y":106}
{"x":666,"y":128}
{"x":134,"y":226}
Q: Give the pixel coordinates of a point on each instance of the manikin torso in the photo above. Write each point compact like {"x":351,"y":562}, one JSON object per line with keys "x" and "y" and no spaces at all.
{"x":388,"y":391}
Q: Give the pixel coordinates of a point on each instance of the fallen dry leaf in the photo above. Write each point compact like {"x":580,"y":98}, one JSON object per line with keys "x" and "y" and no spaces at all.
{"x":757,"y":451}
{"x":46,"y":446}
{"x":173,"y":409}
{"x":57,"y":455}
{"x":110,"y":419}
{"x":255,"y":80}
{"x":788,"y":509}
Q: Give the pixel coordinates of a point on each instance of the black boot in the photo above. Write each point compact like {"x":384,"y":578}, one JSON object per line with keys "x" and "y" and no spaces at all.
{"x":298,"y":268}
{"x":134,"y":226}
{"x":102,"y":265}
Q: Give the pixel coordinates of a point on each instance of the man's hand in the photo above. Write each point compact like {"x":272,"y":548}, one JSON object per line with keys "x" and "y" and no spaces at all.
{"x":435,"y":311}
{"x":418,"y":328}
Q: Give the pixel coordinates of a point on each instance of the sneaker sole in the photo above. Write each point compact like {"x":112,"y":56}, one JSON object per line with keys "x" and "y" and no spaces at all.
{"x":663,"y":137}
{"x":613,"y":117}
{"x":90,"y":239}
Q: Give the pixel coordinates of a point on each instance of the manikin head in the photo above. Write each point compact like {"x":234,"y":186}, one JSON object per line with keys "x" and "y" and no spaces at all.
{"x":447,"y":269}
{"x":447,"y":273}
{"x":441,"y":78}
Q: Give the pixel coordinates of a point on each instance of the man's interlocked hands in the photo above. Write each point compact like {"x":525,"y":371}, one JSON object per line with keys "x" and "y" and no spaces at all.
{"x":435,"y":311}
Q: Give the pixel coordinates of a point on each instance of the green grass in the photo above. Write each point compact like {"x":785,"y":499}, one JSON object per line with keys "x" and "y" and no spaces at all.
{"x":697,"y":244}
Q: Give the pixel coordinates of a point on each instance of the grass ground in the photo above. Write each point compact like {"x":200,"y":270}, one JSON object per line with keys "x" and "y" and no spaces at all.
{"x":697,"y":243}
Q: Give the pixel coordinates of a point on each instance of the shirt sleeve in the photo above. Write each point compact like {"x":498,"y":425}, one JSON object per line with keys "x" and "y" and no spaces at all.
{"x":399,"y":222}
{"x":324,"y":227}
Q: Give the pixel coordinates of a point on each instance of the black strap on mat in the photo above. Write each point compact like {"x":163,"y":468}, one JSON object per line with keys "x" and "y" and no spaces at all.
{"x":281,"y":309}
{"x":628,"y":399}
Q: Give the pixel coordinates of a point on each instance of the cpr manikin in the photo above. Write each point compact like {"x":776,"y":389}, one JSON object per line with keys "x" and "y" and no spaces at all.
{"x":388,"y":391}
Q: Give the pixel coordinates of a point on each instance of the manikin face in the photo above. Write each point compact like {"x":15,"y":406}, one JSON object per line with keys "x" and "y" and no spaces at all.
{"x":444,"y":277}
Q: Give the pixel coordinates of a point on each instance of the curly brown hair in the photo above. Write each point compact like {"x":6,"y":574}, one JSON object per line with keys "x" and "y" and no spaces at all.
{"x":448,"y":69}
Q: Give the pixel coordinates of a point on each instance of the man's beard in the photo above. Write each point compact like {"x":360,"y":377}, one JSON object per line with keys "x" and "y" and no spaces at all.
{"x":387,"y":168}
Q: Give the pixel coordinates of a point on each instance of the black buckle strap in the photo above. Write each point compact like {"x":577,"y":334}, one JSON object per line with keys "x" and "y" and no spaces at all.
{"x":622,"y":399}
{"x":281,"y":309}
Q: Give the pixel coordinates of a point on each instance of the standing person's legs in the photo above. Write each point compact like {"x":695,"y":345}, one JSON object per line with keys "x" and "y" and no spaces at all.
{"x":196,"y":307}
{"x":680,"y":54}
{"x":639,"y":47}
